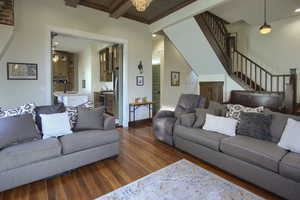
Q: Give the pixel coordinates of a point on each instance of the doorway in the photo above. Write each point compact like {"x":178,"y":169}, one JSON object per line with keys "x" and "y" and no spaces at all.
{"x":213,"y":91}
{"x":156,"y":88}
{"x":78,"y":68}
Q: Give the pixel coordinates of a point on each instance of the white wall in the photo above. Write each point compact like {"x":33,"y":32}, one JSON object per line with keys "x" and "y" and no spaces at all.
{"x":174,"y":61}
{"x":31,"y":42}
{"x":200,"y":57}
{"x":277,"y":51}
{"x":85,"y":71}
{"x":6,"y":33}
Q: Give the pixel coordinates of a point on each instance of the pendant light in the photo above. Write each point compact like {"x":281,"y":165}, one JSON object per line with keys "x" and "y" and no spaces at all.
{"x":141,"y":5}
{"x":266,"y":28}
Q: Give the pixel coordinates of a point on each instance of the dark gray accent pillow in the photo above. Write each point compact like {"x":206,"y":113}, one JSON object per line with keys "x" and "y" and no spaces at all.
{"x":256,"y":125}
{"x":59,"y":108}
{"x":17,"y":129}
{"x":279,"y":121}
{"x":90,"y":119}
{"x":220,"y":109}
{"x":201,"y":116}
{"x":187,"y":120}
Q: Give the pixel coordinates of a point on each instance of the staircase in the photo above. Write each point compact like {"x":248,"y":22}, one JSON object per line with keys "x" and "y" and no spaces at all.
{"x":241,"y":68}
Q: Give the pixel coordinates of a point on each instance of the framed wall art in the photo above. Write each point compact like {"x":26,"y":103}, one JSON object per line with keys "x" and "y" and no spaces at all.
{"x":140,"y":80}
{"x":22,"y":71}
{"x":175,"y":79}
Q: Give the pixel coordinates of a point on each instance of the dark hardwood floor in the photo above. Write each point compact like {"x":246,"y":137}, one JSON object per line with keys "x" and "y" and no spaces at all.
{"x":140,"y":155}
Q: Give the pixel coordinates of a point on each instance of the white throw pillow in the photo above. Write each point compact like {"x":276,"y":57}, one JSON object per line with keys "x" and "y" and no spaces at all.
{"x":290,"y":138}
{"x":223,"y":125}
{"x":54,"y":125}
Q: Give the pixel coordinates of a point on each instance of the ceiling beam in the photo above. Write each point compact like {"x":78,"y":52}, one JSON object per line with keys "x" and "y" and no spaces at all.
{"x":121,"y":9}
{"x":72,"y":3}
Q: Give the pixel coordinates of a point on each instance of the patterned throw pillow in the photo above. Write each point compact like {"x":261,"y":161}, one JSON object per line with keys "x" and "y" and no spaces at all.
{"x":234,"y":110}
{"x":22,"y":110}
{"x":73,"y":112}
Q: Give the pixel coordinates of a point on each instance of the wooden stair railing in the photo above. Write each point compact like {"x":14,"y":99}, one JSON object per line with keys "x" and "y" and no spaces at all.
{"x":242,"y":67}
{"x":7,"y":12}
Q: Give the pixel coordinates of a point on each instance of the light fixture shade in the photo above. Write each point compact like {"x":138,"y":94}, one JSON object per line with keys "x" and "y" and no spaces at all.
{"x":141,"y":5}
{"x":265,"y":29}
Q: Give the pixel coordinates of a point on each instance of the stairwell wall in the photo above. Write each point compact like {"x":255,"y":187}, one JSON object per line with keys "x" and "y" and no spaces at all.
{"x":277,"y":51}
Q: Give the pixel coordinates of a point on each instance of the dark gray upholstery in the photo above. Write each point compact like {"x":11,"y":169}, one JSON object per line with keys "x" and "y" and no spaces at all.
{"x":201,"y":116}
{"x":27,"y":153}
{"x":163,"y":129}
{"x":87,"y":139}
{"x":187,"y":120}
{"x":279,"y":122}
{"x":109,"y":122}
{"x":206,"y":138}
{"x":90,"y":119}
{"x":17,"y":129}
{"x":290,"y":166}
{"x":256,"y":125}
{"x":164,"y":121}
{"x":261,"y":153}
{"x":188,"y":102}
{"x":259,"y":176}
{"x":220,"y":109}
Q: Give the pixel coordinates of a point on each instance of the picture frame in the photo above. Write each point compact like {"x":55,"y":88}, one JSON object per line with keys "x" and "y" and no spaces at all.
{"x":140,"y":80}
{"x":175,"y":79}
{"x":22,"y":71}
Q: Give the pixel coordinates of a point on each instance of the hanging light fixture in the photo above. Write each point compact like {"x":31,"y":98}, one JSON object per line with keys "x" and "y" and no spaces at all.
{"x":266,"y":28}
{"x":141,"y":5}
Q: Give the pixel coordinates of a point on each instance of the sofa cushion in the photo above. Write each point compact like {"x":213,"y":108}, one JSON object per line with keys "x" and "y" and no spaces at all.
{"x":201,"y":116}
{"x":59,"y":108}
{"x":256,"y":125}
{"x":219,"y":109}
{"x":17,"y":129}
{"x":290,"y":166}
{"x":234,"y":110}
{"x":27,"y":153}
{"x":87,"y":139}
{"x":206,"y":138}
{"x":90,"y":119}
{"x":187,"y":104}
{"x":258,"y":152}
{"x":278,"y":124}
{"x":187,"y":120}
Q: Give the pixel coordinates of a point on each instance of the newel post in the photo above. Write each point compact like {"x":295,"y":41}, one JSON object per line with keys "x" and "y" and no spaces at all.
{"x":293,"y":82}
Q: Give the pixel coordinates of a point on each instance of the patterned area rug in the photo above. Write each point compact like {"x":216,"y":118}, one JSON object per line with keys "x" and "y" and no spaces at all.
{"x":182,"y":180}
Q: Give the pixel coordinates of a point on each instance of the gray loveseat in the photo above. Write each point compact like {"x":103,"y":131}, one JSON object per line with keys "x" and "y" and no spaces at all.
{"x":41,"y":158}
{"x":260,"y":162}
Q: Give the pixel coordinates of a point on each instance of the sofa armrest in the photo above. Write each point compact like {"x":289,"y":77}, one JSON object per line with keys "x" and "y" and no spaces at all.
{"x":164,"y":113}
{"x":109,"y":122}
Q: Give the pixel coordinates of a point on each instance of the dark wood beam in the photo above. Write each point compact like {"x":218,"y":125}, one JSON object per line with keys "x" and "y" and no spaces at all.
{"x":121,"y":9}
{"x":72,"y":3}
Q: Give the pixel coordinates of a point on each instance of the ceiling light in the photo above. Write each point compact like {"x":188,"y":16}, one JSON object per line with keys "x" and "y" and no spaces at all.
{"x":154,"y":35}
{"x":266,"y":28}
{"x":56,"y":43}
{"x":141,"y":5}
{"x":297,"y":10}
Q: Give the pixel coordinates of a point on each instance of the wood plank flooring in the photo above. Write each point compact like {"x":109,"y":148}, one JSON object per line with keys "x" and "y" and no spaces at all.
{"x":140,"y":155}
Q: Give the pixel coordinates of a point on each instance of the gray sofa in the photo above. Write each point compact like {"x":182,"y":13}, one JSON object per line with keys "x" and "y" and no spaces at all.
{"x":260,"y":162}
{"x":38,"y":159}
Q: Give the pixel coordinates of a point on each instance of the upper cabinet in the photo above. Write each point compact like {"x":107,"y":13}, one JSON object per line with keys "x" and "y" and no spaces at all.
{"x":108,"y":63}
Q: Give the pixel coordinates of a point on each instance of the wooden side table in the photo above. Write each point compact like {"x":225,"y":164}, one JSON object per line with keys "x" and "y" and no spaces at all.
{"x":134,"y":106}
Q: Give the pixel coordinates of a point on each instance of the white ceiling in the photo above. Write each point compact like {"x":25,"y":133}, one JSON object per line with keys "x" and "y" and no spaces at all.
{"x":252,"y":11}
{"x":75,"y":45}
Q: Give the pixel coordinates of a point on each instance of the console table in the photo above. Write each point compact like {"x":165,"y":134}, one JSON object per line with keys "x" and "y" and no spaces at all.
{"x":134,"y":106}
